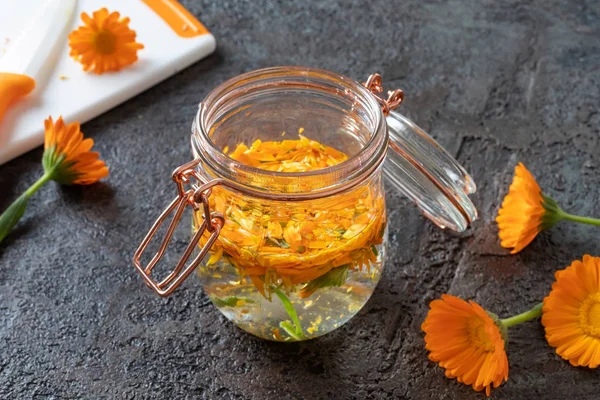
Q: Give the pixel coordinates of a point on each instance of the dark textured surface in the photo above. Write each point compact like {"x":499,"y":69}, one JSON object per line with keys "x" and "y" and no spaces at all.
{"x":496,"y":82}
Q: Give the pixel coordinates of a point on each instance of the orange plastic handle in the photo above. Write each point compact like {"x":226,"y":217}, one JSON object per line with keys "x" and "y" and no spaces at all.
{"x":12,"y":88}
{"x":177,"y":17}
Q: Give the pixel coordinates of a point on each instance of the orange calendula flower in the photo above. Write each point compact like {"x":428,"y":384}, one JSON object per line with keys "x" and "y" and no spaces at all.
{"x":67,"y":159}
{"x":104,"y":43}
{"x":525,"y":211}
{"x":67,"y":156}
{"x":571,"y":313}
{"x":467,"y":342}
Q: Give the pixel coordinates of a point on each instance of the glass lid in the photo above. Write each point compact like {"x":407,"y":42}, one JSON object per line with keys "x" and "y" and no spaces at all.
{"x":427,"y":174}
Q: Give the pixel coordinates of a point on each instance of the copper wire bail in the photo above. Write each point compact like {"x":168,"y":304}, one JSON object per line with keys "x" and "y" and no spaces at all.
{"x":196,"y":197}
{"x":395,"y":97}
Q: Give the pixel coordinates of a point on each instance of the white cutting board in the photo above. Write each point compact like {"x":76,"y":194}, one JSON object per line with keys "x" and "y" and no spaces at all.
{"x":82,"y":96}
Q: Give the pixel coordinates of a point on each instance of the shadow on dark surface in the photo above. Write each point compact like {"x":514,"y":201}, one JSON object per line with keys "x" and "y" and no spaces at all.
{"x":22,"y":228}
{"x":306,"y":355}
{"x":99,"y":192}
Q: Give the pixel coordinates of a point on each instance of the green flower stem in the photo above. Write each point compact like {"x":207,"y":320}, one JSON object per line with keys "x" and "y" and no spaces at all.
{"x":554,"y":214}
{"x":523,"y":317}
{"x":39,"y":183}
{"x":296,"y":332}
{"x":15,"y":211}
{"x":577,"y":218}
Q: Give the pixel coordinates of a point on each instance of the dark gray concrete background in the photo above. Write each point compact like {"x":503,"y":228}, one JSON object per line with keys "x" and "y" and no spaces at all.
{"x":497,"y":82}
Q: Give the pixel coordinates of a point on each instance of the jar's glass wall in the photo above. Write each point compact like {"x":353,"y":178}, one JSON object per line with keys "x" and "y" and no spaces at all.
{"x":302,"y":248}
{"x":296,"y":270}
{"x":327,"y":117}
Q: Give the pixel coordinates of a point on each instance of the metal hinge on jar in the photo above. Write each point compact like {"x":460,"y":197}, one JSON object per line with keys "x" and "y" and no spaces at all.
{"x":195,"y":196}
{"x":375,"y":86}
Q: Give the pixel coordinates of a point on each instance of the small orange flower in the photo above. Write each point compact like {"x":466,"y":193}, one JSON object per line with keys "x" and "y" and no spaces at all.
{"x":466,"y":341}
{"x":525,"y":211}
{"x":66,"y":159}
{"x":104,"y":43}
{"x":67,"y":156}
{"x":571,"y":313}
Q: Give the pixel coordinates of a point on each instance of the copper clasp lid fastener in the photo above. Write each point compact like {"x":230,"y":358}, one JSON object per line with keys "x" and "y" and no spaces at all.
{"x":195,"y":196}
{"x":395,"y":97}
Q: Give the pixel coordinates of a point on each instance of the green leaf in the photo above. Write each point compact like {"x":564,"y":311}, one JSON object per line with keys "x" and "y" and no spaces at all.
{"x":382,"y":231}
{"x":374,"y":250}
{"x":277,"y":243}
{"x":340,"y":231}
{"x":230,"y":301}
{"x":272,"y":242}
{"x":11,"y":216}
{"x":335,"y":277}
{"x":290,"y":330}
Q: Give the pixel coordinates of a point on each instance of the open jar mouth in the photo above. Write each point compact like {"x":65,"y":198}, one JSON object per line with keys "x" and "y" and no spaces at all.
{"x":332,"y":109}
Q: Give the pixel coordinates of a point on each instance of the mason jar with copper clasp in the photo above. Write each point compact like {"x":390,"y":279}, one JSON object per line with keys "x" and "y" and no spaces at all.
{"x":286,"y":188}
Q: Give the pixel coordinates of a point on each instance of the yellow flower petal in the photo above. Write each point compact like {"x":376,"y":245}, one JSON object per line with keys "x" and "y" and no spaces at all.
{"x":571,"y":313}
{"x":215,"y":257}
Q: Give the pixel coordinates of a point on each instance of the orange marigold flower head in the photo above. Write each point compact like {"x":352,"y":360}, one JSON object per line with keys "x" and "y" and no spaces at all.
{"x":104,"y":43}
{"x":571,"y":313}
{"x":67,"y":155}
{"x":467,"y":342}
{"x":525,"y":211}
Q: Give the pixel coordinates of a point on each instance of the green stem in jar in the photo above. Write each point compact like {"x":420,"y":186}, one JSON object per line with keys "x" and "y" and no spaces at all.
{"x":294,"y":330}
{"x":289,"y":328}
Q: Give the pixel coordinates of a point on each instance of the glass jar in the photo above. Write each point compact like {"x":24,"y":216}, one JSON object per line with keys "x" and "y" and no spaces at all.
{"x":292,"y":248}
